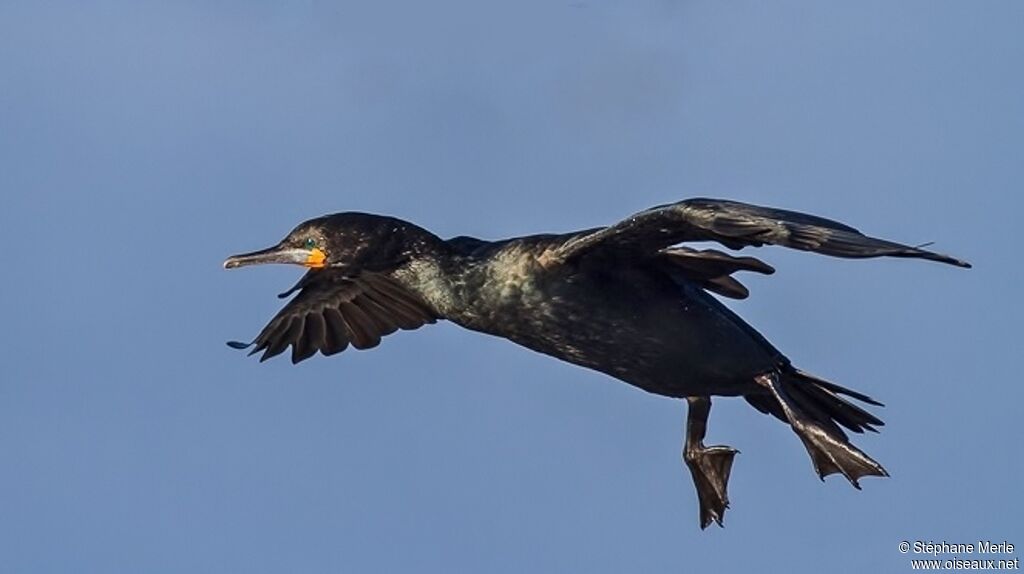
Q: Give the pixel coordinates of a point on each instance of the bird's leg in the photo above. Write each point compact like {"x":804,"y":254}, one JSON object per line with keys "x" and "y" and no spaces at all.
{"x":709,"y":465}
{"x":830,"y":452}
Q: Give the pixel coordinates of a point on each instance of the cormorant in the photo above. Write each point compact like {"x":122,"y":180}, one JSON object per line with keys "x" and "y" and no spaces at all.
{"x":624,"y":300}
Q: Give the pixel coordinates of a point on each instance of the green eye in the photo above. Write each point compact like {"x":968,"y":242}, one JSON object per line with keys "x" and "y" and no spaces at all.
{"x":310,"y":243}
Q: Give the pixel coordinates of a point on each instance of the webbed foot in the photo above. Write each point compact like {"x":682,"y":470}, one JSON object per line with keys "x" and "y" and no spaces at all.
{"x":710,"y":467}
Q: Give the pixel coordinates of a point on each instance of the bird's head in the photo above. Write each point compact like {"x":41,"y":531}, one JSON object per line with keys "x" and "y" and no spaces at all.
{"x":343,"y":240}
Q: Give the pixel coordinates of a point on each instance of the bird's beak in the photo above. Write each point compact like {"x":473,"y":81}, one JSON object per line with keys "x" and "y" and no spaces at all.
{"x":313,"y":258}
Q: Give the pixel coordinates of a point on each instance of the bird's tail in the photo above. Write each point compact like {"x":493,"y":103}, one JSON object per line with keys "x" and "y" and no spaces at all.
{"x":807,"y":401}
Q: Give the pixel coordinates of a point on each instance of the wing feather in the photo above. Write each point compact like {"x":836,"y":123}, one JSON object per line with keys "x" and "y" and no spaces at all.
{"x":336,"y":335}
{"x":303,"y":347}
{"x":333,"y":311}
{"x":360,"y":327}
{"x":278,"y":340}
{"x":737,"y":225}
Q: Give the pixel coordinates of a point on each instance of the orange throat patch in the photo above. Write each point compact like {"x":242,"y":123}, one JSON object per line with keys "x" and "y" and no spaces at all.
{"x":317,"y":259}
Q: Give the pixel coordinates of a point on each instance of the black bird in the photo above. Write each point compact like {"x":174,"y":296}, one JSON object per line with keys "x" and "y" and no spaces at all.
{"x":624,"y":300}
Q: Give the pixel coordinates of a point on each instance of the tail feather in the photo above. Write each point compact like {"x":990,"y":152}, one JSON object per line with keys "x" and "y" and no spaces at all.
{"x":835,"y":407}
{"x":815,"y":412}
{"x":821,"y":401}
{"x":838,"y":389}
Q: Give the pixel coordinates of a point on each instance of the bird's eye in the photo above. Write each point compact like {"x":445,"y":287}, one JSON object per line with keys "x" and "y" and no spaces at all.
{"x":310,"y":243}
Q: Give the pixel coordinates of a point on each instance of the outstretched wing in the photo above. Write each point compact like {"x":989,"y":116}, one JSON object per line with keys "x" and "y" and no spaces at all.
{"x":737,"y":225}
{"x":333,"y":311}
{"x":711,"y":269}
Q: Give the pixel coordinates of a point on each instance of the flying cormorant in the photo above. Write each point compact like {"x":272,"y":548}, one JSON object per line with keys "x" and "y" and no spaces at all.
{"x":624,"y":300}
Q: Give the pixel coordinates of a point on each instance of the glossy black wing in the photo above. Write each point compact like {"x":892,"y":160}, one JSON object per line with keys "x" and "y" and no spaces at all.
{"x":711,"y":269}
{"x":333,"y":311}
{"x":737,"y":225}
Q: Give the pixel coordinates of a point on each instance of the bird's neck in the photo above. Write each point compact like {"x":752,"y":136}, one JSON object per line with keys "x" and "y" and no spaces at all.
{"x":438,"y":274}
{"x":475,"y":283}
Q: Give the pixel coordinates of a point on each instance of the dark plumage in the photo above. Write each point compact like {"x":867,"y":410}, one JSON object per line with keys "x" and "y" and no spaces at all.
{"x":620,"y":299}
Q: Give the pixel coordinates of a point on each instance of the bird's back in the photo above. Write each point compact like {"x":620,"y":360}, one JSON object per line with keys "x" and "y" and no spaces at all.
{"x":630,"y":318}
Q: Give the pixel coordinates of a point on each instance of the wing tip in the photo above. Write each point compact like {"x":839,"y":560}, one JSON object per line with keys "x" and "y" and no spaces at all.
{"x":943,"y":258}
{"x":960,"y":263}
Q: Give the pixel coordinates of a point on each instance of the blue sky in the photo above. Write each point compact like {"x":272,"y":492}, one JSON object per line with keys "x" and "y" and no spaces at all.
{"x":142,"y":142}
